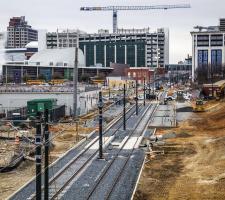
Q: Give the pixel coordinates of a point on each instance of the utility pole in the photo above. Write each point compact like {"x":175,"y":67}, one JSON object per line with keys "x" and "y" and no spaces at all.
{"x":124,"y":107}
{"x":46,"y":174}
{"x":144,"y":91}
{"x":38,"y":144}
{"x":100,"y":106}
{"x":75,"y":83}
{"x":136,"y":97}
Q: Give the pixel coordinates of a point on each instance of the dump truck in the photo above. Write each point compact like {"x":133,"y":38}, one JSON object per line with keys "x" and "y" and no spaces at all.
{"x":199,"y":106}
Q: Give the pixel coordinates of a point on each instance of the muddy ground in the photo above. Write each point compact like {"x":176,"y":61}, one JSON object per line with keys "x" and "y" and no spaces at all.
{"x":190,"y":166}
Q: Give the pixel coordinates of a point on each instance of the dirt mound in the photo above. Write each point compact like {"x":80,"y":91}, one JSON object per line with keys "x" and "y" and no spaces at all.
{"x":192,"y":163}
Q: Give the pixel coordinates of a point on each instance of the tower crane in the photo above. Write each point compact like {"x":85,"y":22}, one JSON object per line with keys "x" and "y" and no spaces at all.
{"x":116,"y":8}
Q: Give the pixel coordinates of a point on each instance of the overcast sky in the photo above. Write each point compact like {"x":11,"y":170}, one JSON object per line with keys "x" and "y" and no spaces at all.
{"x":50,"y":14}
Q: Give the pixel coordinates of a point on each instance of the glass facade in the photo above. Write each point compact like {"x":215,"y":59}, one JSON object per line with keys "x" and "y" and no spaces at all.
{"x":120,"y":52}
{"x":110,"y":56}
{"x":131,"y":54}
{"x":141,"y":54}
{"x":100,"y":53}
{"x":47,"y":72}
{"x":216,"y":59}
{"x":109,"y":46}
{"x":202,"y":58}
{"x":217,"y":40}
{"x":203,"y":40}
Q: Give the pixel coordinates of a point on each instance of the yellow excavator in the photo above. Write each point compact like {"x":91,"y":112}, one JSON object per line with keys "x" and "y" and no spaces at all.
{"x":199,"y":106}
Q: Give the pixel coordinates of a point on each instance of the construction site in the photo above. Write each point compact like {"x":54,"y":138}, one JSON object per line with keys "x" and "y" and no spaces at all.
{"x":108,"y":115}
{"x":188,"y":163}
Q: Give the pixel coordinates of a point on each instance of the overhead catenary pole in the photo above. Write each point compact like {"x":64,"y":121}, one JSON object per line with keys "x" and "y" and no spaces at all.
{"x":136,"y":98}
{"x":124,"y":107}
{"x":144,"y":91}
{"x":149,"y":88}
{"x":46,"y":173}
{"x":38,"y":144}
{"x":100,"y":106}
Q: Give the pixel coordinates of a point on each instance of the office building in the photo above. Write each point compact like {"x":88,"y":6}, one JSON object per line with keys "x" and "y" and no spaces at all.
{"x":62,"y":38}
{"x":19,"y":33}
{"x":208,"y":50}
{"x":135,"y":47}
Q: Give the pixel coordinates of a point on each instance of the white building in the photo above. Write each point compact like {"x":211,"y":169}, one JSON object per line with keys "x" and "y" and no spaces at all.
{"x":208,"y":49}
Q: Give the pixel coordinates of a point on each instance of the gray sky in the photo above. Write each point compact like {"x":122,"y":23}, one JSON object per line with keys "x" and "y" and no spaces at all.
{"x":50,"y":14}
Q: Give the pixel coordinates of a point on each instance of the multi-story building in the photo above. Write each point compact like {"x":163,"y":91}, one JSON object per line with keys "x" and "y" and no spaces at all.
{"x":62,"y":38}
{"x":208,"y":51}
{"x":19,"y":33}
{"x":140,"y":74}
{"x":135,"y":47}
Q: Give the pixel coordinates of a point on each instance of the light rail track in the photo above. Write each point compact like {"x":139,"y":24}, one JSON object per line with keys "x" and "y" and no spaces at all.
{"x":64,"y":176}
{"x":127,"y":157}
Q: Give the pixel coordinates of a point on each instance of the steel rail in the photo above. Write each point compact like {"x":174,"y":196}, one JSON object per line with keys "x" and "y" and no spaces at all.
{"x":68,"y":165}
{"x":98,"y":181}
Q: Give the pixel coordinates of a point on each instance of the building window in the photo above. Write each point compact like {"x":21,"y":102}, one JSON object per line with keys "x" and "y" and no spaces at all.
{"x":216,"y":60}
{"x":202,"y":57}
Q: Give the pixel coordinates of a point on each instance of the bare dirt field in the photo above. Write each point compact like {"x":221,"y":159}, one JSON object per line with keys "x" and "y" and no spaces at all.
{"x":192,"y":165}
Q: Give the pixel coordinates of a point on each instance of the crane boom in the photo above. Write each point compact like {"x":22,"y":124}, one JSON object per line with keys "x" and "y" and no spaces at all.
{"x":116,"y":8}
{"x":108,"y":8}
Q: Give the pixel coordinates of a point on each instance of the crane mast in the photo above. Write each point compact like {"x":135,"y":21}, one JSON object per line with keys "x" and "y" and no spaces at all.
{"x":116,"y":8}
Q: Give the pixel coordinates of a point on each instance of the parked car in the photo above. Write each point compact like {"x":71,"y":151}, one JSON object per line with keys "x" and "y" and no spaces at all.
{"x":186,"y":97}
{"x":170,"y":98}
{"x":140,"y":97}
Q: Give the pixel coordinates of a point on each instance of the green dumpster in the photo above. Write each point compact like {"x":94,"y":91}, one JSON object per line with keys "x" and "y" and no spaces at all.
{"x":39,"y":105}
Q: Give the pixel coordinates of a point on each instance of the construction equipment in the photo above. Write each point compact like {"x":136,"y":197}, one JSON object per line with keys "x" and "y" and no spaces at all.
{"x":116,"y":8}
{"x":199,"y":106}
